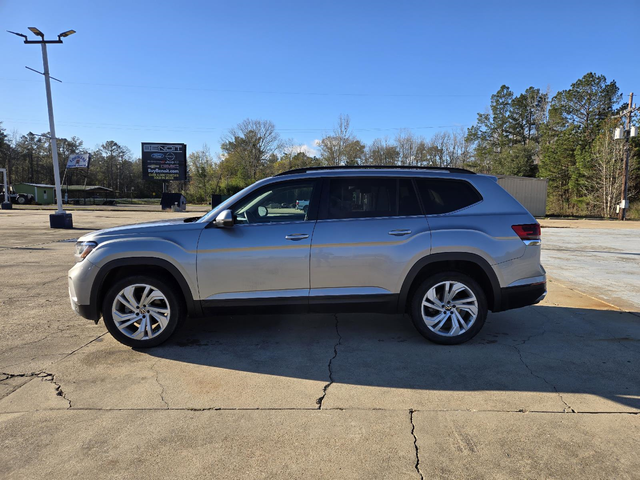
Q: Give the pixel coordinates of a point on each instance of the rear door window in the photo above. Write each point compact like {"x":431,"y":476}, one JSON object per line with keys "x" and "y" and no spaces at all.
{"x":441,"y":195}
{"x":371,"y":197}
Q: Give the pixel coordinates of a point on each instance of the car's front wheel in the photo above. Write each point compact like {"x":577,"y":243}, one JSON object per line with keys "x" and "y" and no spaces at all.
{"x":142,"y":311}
{"x":449,"y":308}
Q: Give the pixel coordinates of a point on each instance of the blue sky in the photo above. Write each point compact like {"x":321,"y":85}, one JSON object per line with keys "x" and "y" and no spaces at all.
{"x":188,"y":71}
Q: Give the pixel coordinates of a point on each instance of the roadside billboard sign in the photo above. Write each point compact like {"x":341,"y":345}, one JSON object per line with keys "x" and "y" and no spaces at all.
{"x":79,"y":160}
{"x":164,"y":161}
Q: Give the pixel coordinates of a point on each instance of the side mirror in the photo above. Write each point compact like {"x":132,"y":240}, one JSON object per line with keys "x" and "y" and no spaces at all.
{"x":224,"y":219}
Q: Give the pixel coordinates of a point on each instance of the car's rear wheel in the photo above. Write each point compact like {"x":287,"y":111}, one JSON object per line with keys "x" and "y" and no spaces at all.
{"x":142,"y":311}
{"x":449,"y":308}
{"x":21,"y":200}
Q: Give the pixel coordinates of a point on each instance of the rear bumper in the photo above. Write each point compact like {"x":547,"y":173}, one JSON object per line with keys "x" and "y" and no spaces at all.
{"x":522,"y":295}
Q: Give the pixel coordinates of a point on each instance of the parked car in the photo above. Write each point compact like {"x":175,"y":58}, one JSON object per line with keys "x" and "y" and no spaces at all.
{"x":302,"y":205}
{"x":445,"y":245}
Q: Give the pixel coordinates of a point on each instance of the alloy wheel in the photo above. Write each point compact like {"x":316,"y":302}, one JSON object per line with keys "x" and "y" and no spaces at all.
{"x":141,"y":312}
{"x":449,"y":308}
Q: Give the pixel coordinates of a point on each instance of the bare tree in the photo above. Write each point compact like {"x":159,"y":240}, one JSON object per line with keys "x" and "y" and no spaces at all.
{"x":253,"y":142}
{"x":382,"y":152}
{"x":407,"y":144}
{"x":334,"y":148}
{"x":604,"y":184}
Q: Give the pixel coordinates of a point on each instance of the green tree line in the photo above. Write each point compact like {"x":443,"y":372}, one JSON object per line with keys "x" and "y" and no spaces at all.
{"x":566,"y":138}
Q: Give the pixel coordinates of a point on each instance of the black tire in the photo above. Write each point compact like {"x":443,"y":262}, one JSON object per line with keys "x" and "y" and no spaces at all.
{"x":305,"y":209}
{"x":21,"y":200}
{"x":176,"y":306}
{"x":420,"y":293}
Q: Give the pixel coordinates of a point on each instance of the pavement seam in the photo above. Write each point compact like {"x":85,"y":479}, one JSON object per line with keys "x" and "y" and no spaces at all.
{"x":18,"y":247}
{"x":330,"y":367}
{"x":310,"y":409}
{"x":81,"y":347}
{"x":415,"y":443}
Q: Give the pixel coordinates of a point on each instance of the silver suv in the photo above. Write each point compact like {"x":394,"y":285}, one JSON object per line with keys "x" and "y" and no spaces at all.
{"x":445,"y":245}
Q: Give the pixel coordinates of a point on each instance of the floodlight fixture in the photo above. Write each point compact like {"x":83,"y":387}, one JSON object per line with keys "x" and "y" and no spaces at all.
{"x":67,"y":33}
{"x":19,"y":35}
{"x":36,"y":32}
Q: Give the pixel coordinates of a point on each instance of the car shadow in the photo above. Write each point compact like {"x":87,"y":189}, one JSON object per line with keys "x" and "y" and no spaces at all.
{"x":533,"y":349}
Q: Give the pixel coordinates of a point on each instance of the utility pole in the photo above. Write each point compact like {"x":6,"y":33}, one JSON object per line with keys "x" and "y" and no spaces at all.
{"x":627,"y":132}
{"x":60,"y":219}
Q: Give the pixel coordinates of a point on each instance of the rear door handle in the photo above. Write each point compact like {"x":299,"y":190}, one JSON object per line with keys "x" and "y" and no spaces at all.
{"x":400,"y":233}
{"x":297,"y":236}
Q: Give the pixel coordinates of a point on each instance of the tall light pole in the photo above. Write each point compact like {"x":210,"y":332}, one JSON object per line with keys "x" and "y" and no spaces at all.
{"x":60,"y":219}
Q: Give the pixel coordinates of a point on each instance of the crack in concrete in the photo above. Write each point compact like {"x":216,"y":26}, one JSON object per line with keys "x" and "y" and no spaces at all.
{"x":153,"y":367}
{"x":18,"y":375}
{"x":330,"y":367}
{"x":50,"y":377}
{"x":568,"y":408}
{"x":415,"y":443}
{"x":44,"y":376}
{"x":626,"y":347}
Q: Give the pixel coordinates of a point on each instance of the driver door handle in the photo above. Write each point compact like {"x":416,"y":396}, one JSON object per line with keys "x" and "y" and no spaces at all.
{"x":297,"y":236}
{"x":400,"y":233}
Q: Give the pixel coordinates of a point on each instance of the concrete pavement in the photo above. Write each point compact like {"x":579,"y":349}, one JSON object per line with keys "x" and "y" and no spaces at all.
{"x":550,"y":391}
{"x":600,"y":258}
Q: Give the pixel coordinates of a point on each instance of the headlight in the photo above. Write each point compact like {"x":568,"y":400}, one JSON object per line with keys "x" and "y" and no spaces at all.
{"x":83,"y":249}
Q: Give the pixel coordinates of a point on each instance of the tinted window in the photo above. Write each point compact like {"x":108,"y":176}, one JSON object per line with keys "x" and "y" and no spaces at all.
{"x":443,"y":196}
{"x":407,"y":199}
{"x":287,"y":202}
{"x":371,"y":197}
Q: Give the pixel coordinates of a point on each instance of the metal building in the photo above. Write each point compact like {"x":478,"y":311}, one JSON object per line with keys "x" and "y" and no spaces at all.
{"x":43,"y":194}
{"x":530,"y":192}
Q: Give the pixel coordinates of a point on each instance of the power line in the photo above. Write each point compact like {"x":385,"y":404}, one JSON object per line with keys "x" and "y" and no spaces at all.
{"x":201,"y":129}
{"x":269,"y":92}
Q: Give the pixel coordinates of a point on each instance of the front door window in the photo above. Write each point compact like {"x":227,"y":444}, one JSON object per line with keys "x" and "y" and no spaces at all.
{"x":276,"y":204}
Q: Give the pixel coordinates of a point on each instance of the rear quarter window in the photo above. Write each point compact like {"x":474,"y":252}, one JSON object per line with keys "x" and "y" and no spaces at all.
{"x":441,"y":195}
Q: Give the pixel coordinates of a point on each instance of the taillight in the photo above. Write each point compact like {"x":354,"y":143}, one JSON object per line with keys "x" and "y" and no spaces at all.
{"x":529,"y":234}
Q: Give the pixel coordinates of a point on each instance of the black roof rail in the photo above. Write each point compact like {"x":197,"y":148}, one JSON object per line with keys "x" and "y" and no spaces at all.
{"x":376,"y":167}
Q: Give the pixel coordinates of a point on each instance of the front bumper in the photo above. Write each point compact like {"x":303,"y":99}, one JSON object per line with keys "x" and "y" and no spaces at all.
{"x":522,"y":295}
{"x":86,"y":311}
{"x":81,"y":278}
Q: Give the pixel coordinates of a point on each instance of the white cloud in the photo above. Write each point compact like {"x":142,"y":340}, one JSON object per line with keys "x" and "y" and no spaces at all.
{"x":306,"y":149}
